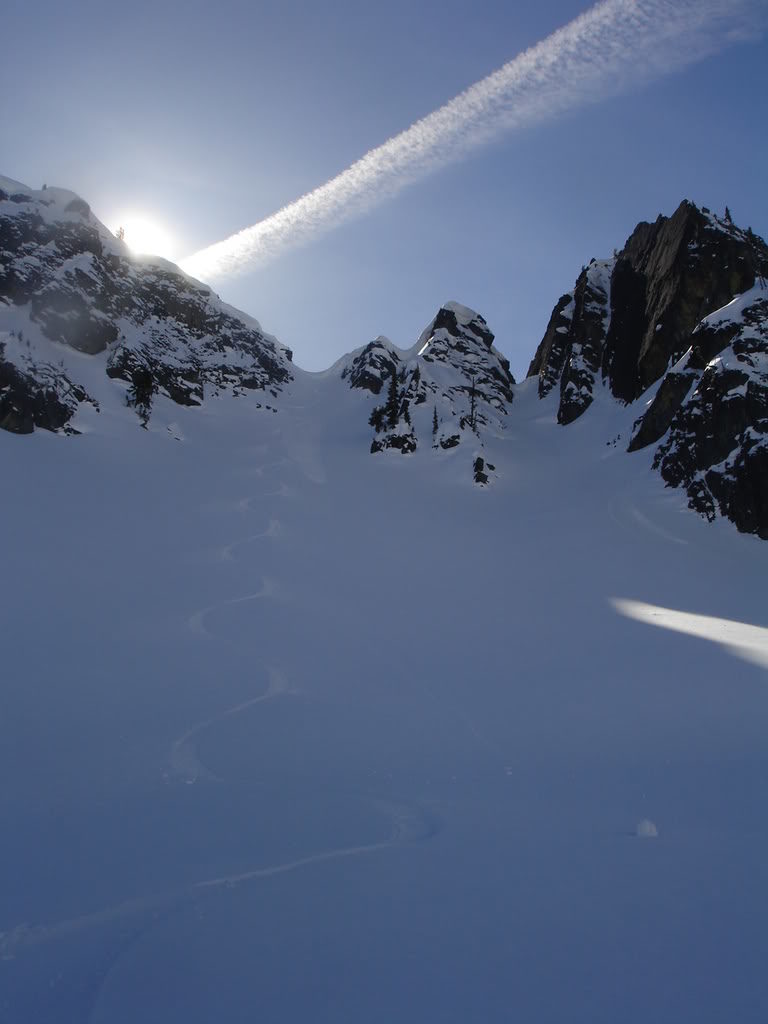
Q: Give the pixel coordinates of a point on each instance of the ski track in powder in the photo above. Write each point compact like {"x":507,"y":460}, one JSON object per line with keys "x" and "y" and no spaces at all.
{"x":408,"y":822}
{"x":184,"y":763}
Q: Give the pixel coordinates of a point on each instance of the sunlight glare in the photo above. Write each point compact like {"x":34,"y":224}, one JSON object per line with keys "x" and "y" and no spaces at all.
{"x":146,"y":237}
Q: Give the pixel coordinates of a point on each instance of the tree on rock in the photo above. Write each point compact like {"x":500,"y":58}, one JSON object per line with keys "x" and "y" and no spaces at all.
{"x":376,"y":419}
{"x":140,"y":393}
{"x":392,"y":406}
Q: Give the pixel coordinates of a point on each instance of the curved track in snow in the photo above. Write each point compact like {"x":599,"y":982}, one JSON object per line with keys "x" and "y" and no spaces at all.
{"x":184,"y":763}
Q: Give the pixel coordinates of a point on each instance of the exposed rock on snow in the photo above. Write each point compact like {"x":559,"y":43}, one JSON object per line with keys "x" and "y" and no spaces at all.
{"x":371,"y":366}
{"x":683,"y":308}
{"x":71,"y":282}
{"x":34,"y":394}
{"x":717,"y":444}
{"x":665,"y":309}
{"x":451,"y":386}
{"x":572,"y":349}
{"x":630,"y":316}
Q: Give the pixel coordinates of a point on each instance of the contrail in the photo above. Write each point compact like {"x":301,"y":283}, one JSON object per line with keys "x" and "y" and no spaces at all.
{"x":614,"y":45}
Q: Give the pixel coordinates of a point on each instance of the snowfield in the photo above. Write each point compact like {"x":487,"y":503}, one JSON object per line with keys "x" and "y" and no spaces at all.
{"x":294,"y":733}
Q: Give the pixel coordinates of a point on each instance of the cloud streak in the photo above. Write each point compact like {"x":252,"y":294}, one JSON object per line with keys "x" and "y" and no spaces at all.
{"x":614,"y":46}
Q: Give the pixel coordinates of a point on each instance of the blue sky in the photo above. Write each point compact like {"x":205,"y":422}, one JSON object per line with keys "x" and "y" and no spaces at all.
{"x":208,"y":119}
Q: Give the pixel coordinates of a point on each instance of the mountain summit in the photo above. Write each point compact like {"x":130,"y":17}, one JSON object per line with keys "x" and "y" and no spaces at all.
{"x":677,"y":321}
{"x":674,"y":326}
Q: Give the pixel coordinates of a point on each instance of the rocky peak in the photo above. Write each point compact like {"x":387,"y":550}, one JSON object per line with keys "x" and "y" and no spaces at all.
{"x":459,"y":338}
{"x":682,"y":308}
{"x":370,"y":366}
{"x":66,"y":281}
{"x":710,"y":414}
{"x":681,"y":268}
{"x":572,"y":349}
{"x":630,"y":316}
{"x":452,"y":387}
{"x":460,"y":324}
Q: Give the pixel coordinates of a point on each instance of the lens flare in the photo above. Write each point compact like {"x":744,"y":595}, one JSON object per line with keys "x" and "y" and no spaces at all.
{"x":145,"y":237}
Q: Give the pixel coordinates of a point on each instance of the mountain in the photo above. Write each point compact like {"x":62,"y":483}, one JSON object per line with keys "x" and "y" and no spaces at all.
{"x":74,"y":287}
{"x":453,"y":371}
{"x":306,"y":720}
{"x":677,"y":320}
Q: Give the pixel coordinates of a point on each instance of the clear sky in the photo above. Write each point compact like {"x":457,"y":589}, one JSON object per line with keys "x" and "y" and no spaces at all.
{"x":208,"y":118}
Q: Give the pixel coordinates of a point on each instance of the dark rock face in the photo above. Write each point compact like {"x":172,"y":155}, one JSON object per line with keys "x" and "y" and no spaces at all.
{"x":654,"y":424}
{"x":717,"y":443}
{"x":405,"y":443}
{"x":589,"y":328}
{"x":35,"y":395}
{"x":631,"y":316}
{"x":571,"y":351}
{"x":691,"y":264}
{"x":372,"y":366}
{"x":84,"y":290}
{"x":478,"y":468}
{"x":551,"y":354}
{"x":662,"y":310}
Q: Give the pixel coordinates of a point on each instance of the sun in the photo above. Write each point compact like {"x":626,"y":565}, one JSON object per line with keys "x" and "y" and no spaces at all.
{"x":146,"y":237}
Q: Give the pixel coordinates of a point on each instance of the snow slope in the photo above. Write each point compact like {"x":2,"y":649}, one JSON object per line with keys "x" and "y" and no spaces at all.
{"x":291,"y":732}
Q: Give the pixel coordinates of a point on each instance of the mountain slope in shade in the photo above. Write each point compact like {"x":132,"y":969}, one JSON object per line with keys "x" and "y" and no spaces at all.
{"x":270,"y":700}
{"x":293,"y":731}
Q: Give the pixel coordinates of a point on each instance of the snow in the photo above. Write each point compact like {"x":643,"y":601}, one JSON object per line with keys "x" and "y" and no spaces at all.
{"x":464,"y":315}
{"x":647,"y":829}
{"x":295,"y":733}
{"x":733,"y":312}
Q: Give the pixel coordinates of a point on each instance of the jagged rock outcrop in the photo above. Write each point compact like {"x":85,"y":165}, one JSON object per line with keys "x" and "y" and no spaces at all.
{"x":629,"y":317}
{"x":452,"y":386}
{"x":371,"y":366}
{"x":665,"y":311}
{"x":554,"y":347}
{"x":716,"y":441}
{"x":74,"y":285}
{"x":34,"y":394}
{"x":572,"y":349}
{"x":682,"y":309}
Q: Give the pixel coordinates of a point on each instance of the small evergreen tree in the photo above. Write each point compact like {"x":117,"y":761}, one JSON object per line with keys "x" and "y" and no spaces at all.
{"x":121,"y":234}
{"x":728,"y":217}
{"x":376,"y":419}
{"x":472,"y":404}
{"x":140,"y":394}
{"x":435,"y":424}
{"x":392,"y":406}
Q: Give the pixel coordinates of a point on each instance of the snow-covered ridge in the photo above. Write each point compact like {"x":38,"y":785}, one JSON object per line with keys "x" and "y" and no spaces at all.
{"x":87,"y":331}
{"x":449,"y":390}
{"x":68,"y":285}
